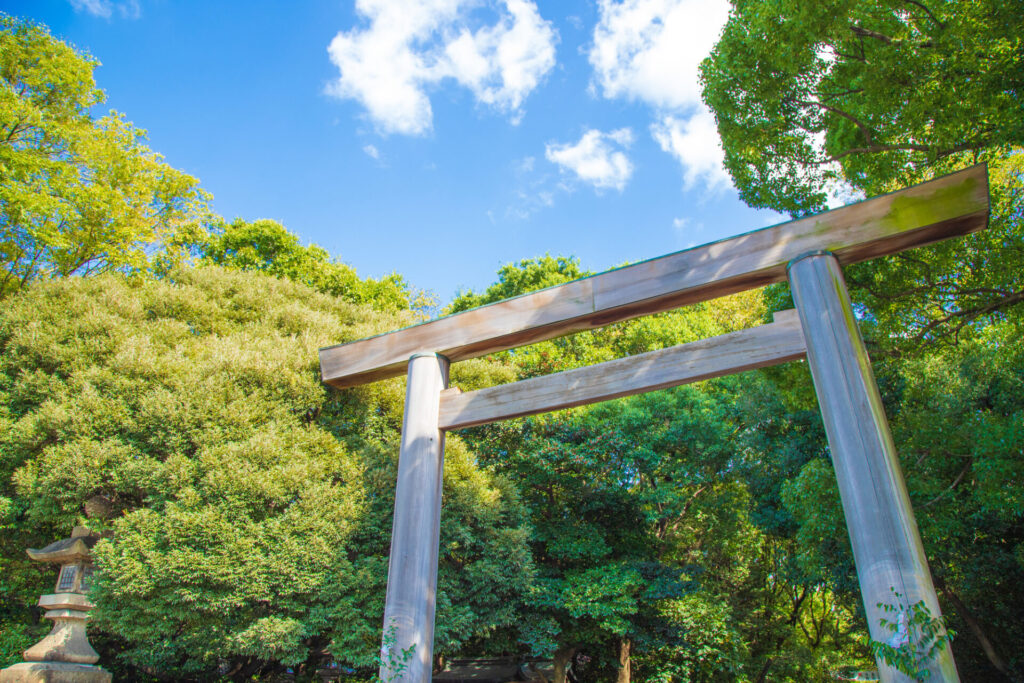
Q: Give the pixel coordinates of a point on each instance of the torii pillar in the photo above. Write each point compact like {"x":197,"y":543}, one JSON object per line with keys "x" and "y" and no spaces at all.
{"x":407,"y":651}
{"x":886,"y":544}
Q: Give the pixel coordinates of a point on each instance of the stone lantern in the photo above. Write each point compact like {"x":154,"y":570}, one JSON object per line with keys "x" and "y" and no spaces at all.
{"x":65,"y":655}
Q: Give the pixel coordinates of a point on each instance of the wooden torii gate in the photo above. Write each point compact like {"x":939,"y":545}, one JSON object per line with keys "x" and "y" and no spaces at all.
{"x":809,"y":252}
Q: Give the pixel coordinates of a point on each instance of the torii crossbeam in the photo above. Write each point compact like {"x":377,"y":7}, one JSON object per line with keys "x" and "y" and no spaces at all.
{"x":810,"y":252}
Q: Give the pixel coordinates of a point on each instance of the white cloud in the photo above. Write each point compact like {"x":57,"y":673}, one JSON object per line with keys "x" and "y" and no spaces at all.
{"x":502,"y":64}
{"x":530,"y":191}
{"x":694,"y":142}
{"x":523,"y":166}
{"x":840,"y":193}
{"x":680,"y":223}
{"x":128,"y":9}
{"x":97,"y":8}
{"x":411,"y":45}
{"x":371,"y":151}
{"x":650,"y":51}
{"x":595,"y":159}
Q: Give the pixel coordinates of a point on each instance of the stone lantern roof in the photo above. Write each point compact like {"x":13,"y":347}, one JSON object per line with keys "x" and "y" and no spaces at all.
{"x":68,"y":550}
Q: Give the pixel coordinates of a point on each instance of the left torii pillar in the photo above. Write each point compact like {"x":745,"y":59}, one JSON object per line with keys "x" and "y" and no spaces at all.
{"x":408,"y":643}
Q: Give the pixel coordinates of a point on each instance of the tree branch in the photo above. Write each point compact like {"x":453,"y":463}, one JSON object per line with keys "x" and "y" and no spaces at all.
{"x":844,"y":93}
{"x":864,"y":128}
{"x":966,"y":316}
{"x":949,"y":488}
{"x":926,"y":11}
{"x":868,"y":33}
{"x":974,"y":626}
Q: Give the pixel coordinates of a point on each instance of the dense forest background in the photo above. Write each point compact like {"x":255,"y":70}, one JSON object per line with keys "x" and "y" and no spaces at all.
{"x":159,"y":382}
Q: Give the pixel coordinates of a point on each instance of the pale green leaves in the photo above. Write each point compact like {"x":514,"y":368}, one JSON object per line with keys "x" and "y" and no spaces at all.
{"x":77,"y":195}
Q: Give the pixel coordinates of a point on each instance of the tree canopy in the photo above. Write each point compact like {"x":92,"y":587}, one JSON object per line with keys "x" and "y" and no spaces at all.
{"x":866,"y":97}
{"x":860,"y":91}
{"x":79,"y":195}
{"x":249,"y":505}
{"x":266,"y":246}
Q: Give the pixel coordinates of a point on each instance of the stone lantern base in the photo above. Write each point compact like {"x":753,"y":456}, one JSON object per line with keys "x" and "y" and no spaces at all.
{"x":54,"y":672}
{"x":65,"y":655}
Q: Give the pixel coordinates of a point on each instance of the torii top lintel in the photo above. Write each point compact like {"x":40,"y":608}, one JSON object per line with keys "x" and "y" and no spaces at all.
{"x":952,"y":205}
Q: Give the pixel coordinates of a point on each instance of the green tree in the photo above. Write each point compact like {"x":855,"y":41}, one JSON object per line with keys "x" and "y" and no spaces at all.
{"x":873,"y":96}
{"x":78,"y":195}
{"x":956,"y":419}
{"x":868,"y":92}
{"x":266,"y":246}
{"x":250,"y":505}
{"x":587,"y":532}
{"x":514,"y":279}
{"x":644,"y":539}
{"x":662,"y":549}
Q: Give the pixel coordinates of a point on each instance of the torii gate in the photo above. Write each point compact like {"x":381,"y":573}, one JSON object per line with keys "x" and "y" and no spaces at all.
{"x":810,"y":252}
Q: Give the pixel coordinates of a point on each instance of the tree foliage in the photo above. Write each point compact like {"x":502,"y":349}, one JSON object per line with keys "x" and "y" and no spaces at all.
{"x":79,"y":195}
{"x":870,"y":93}
{"x":656,"y":530}
{"x":250,"y":505}
{"x":266,"y":246}
{"x":871,"y":96}
{"x":514,"y":279}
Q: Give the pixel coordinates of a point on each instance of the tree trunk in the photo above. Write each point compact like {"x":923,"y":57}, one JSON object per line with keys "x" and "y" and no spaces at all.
{"x":763,"y":676}
{"x":624,"y":663}
{"x":974,"y":626}
{"x":537,"y":673}
{"x":562,"y":659}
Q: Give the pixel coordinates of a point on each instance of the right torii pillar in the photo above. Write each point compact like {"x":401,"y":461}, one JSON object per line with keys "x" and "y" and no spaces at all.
{"x":886,"y":545}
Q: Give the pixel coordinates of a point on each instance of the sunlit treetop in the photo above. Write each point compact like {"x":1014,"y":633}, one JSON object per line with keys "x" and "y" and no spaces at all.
{"x":79,"y":195}
{"x":877,"y":94}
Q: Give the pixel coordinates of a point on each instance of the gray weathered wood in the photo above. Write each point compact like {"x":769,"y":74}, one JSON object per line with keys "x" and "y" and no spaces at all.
{"x":952,"y":205}
{"x":886,"y":546}
{"x":412,"y":568}
{"x":757,"y":347}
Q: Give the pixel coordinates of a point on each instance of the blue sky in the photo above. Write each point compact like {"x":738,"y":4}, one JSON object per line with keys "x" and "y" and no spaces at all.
{"x":436,"y":138}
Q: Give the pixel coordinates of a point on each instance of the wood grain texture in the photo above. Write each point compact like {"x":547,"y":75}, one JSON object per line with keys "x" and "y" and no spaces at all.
{"x":757,"y":347}
{"x":952,"y":205}
{"x":887,"y":548}
{"x":412,"y":564}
